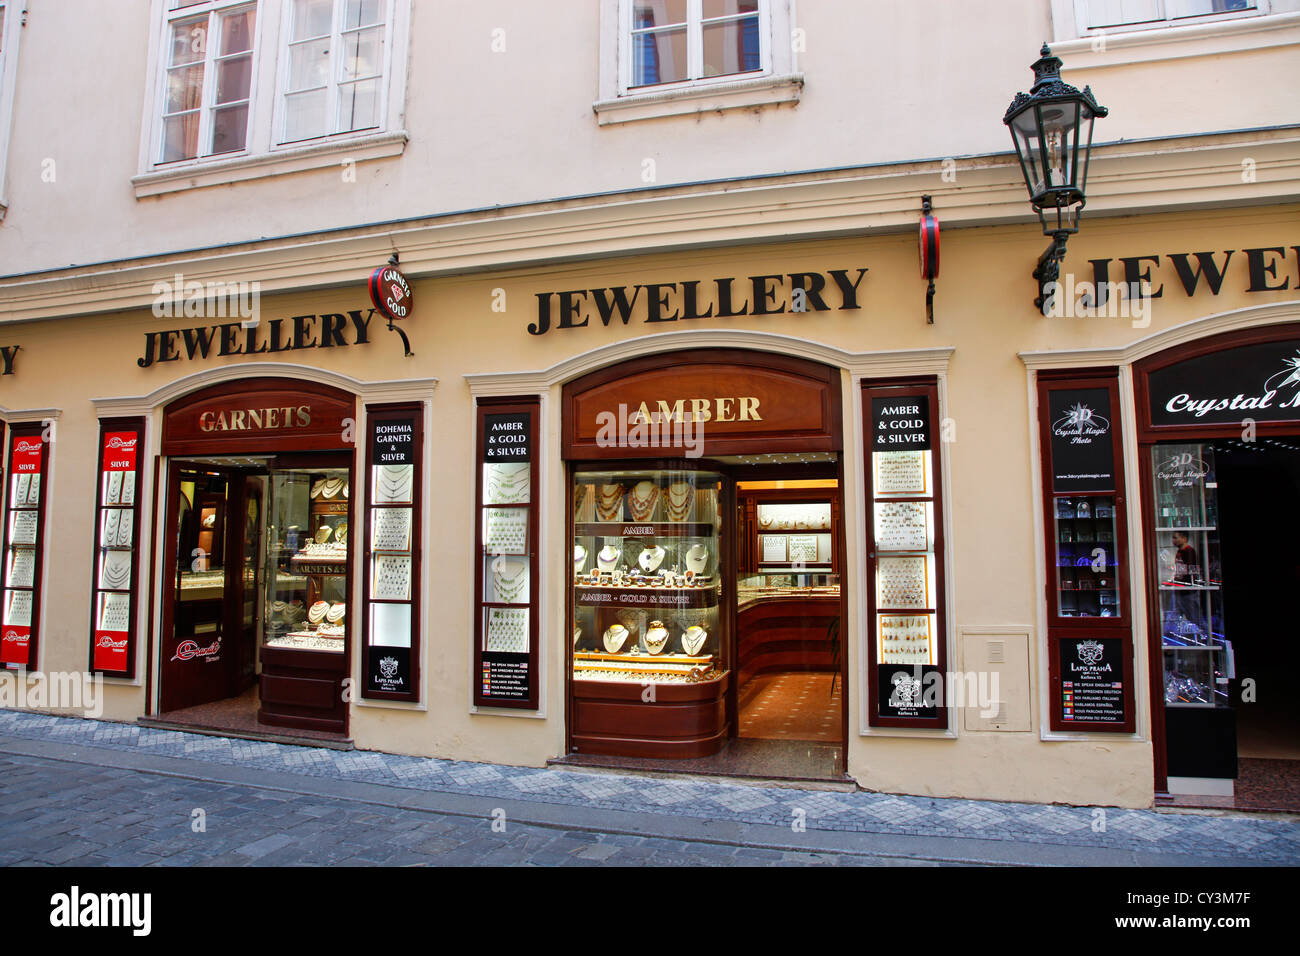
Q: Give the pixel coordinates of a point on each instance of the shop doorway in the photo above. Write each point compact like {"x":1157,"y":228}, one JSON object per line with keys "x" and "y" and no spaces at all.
{"x":707,"y":615}
{"x":789,"y":654}
{"x":255,"y":593}
{"x":696,"y":646}
{"x":1225,"y":563}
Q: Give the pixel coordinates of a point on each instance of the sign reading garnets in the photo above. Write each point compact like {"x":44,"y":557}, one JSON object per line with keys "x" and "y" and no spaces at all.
{"x":390,"y":292}
{"x":392,"y":442}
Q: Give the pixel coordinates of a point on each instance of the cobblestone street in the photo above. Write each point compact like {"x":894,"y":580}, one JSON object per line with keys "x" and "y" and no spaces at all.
{"x":98,"y":793}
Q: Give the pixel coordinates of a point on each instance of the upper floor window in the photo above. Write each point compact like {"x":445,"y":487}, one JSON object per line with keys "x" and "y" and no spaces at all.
{"x":1099,"y":14}
{"x":11,"y":16}
{"x":207,"y":80}
{"x":334,"y":67}
{"x":676,"y":40}
{"x":239,"y":83}
{"x":675,"y":57}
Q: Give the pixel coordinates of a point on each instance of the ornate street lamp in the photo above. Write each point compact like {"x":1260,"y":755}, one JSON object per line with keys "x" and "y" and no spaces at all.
{"x":1052,"y":128}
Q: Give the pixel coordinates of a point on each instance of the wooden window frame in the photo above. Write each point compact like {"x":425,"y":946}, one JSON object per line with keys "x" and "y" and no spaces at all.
{"x":107,"y":426}
{"x":902,"y":388}
{"x":1060,"y":628}
{"x":483,"y":408}
{"x":34,"y":430}
{"x":379,"y":414}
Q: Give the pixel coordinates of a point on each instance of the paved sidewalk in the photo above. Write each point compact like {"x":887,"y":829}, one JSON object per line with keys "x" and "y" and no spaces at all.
{"x":686,"y":809}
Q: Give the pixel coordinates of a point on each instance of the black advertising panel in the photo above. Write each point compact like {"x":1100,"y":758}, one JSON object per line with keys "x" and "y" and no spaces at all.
{"x":507,"y":437}
{"x":910,"y":692}
{"x":1260,"y":382}
{"x":1083,"y":449}
{"x":1092,"y":680}
{"x":506,"y":573}
{"x":504,"y":677}
{"x":392,"y":441}
{"x":900,"y":423}
{"x":388,"y":670}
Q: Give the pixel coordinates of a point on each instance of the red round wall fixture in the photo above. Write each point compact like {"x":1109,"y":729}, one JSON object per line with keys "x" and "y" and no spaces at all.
{"x":391,"y":294}
{"x":929,"y":249}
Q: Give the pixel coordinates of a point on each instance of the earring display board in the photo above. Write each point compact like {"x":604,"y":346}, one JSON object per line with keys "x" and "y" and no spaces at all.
{"x":391,"y":616}
{"x":506,"y":568}
{"x":115,"y":569}
{"x":907,"y":653}
{"x":24,"y":539}
{"x":1090,"y":653}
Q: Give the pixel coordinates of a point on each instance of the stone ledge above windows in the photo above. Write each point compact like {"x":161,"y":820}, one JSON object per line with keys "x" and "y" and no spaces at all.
{"x":712,"y":98}
{"x":278,"y":162}
{"x":1174,"y":40}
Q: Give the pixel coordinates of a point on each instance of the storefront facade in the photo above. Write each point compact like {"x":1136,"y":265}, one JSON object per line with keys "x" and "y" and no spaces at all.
{"x":467,"y":620}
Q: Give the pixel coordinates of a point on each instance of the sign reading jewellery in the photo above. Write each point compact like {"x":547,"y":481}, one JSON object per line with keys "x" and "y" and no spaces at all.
{"x":682,"y":301}
{"x":1260,"y":382}
{"x":327,"y":330}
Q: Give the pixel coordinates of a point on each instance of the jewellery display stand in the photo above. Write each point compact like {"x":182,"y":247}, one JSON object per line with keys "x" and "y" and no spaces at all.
{"x":646,"y":611}
{"x":24,"y":541}
{"x":789,"y":530}
{"x":315,"y":577}
{"x":904,"y":567}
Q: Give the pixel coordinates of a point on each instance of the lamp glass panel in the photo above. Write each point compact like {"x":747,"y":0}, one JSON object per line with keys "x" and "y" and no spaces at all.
{"x":1058,"y":126}
{"x":1024,"y":132}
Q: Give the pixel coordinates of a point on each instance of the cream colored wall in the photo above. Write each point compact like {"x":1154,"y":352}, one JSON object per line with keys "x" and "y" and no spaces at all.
{"x":884,"y":83}
{"x":983,"y":311}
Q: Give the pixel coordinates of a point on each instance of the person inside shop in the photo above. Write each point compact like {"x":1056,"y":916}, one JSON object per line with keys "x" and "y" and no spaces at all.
{"x":1186,"y":563}
{"x":1187,"y":568}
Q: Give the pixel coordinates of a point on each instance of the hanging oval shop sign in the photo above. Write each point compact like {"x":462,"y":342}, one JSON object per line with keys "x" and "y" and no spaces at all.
{"x":390,"y":292}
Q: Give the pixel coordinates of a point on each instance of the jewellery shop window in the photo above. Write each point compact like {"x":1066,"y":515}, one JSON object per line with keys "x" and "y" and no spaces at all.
{"x":24,"y":531}
{"x":505,"y":650}
{"x":646,"y":581}
{"x":391,"y":616}
{"x":116,"y":561}
{"x":1199,"y":660}
{"x":907,"y":648}
{"x":307,"y":558}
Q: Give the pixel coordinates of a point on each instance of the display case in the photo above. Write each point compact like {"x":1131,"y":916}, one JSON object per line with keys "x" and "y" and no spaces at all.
{"x":646,"y":611}
{"x":1198,"y":658}
{"x":307,"y":560}
{"x":1087,"y":573}
{"x":788,"y":529}
{"x":24,"y":537}
{"x":645,"y":576}
{"x":114,"y":580}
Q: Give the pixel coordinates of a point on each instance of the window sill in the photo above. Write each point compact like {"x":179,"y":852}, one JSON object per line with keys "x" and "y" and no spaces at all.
{"x":714,"y":97}
{"x":279,"y":162}
{"x":1102,"y":48}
